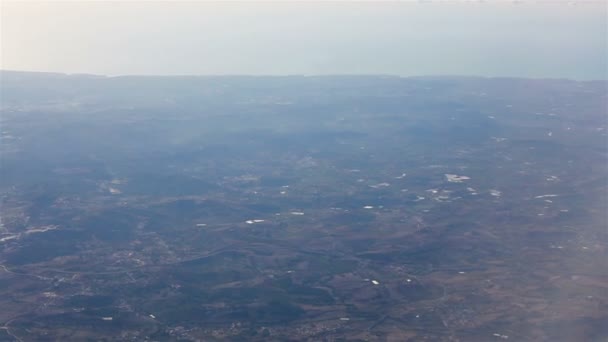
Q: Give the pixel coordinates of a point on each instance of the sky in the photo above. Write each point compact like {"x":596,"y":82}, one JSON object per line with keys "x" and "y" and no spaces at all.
{"x":492,"y":38}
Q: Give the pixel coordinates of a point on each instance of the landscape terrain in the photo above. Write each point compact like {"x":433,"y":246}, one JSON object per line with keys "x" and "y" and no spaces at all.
{"x":302,"y":208}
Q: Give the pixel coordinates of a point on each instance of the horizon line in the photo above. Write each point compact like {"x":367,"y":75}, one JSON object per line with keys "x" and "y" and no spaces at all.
{"x":308,"y":75}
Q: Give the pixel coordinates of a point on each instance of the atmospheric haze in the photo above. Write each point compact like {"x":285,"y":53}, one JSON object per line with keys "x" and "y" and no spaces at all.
{"x":527,"y":39}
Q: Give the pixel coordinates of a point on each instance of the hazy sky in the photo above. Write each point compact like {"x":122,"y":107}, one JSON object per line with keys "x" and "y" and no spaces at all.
{"x":494,"y":39}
